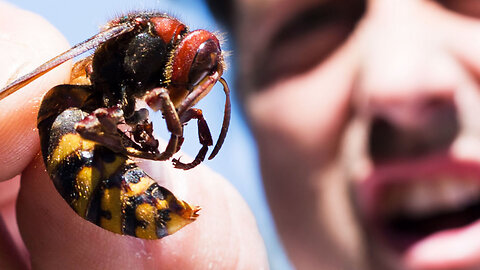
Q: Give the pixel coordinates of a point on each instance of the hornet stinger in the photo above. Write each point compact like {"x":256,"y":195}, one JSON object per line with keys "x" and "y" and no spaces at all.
{"x":91,"y":129}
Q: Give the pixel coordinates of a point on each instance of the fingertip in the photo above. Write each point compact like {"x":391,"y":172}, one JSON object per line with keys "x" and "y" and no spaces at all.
{"x":224,"y":236}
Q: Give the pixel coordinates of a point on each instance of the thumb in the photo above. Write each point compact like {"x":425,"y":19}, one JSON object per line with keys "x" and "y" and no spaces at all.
{"x":26,"y":41}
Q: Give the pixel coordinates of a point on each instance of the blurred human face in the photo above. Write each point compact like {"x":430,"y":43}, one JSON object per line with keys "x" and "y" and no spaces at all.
{"x":367,"y":120}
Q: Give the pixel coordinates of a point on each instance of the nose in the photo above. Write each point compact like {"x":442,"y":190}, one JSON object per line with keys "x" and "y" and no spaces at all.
{"x":429,"y":127}
{"x":405,"y":88}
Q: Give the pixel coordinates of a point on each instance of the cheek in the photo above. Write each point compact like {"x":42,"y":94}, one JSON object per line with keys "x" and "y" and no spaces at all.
{"x":298,"y":126}
{"x":305,"y":113}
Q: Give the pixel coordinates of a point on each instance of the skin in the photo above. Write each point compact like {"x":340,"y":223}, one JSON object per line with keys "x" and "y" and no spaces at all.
{"x":316,"y":102}
{"x":49,"y":235}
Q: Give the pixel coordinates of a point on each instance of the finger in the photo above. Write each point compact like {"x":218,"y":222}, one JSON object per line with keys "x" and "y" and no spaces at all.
{"x":224,"y":236}
{"x":9,"y":257}
{"x":9,"y":191}
{"x":13,"y":254}
{"x":8,"y":197}
{"x":26,"y":41}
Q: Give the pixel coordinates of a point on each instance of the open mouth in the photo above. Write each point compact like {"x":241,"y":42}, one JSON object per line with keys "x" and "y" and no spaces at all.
{"x":428,"y":210}
{"x":418,"y":209}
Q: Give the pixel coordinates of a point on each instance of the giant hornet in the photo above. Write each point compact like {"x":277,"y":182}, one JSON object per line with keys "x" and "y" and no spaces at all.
{"x":91,"y":129}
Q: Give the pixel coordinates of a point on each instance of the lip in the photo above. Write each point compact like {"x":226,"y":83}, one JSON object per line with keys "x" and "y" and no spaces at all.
{"x":456,"y":248}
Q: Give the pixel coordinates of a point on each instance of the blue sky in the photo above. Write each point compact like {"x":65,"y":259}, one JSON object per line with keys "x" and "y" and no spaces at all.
{"x":237,"y":161}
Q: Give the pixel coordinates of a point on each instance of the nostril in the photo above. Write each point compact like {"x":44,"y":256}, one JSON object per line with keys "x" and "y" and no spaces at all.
{"x":433,"y":129}
{"x":381,"y":139}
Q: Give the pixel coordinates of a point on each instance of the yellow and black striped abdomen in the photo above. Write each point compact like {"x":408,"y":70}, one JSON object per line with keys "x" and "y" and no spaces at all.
{"x":107,"y":188}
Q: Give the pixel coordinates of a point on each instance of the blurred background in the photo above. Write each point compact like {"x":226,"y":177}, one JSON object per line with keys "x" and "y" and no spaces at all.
{"x":237,"y":161}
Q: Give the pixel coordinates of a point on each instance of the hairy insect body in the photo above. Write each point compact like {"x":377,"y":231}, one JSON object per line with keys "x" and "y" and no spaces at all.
{"x":120,"y":71}
{"x":102,"y":186}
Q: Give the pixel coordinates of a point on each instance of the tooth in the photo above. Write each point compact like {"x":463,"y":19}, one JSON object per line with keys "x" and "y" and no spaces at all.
{"x":425,"y":196}
{"x":418,"y":198}
{"x":457,"y":193}
{"x":393,"y":197}
{"x":450,"y":193}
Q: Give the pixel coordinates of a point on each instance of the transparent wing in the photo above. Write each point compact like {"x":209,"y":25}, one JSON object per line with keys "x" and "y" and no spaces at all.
{"x":76,"y":50}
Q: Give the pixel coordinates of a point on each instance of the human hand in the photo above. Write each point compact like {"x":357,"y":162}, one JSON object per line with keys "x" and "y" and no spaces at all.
{"x":225,"y":235}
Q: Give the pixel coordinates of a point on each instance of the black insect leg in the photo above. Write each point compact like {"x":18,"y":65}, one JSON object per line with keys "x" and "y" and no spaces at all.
{"x":159,"y":99}
{"x":101,"y":126}
{"x":197,"y":92}
{"x":204,"y":136}
{"x":142,"y":130}
{"x":143,"y":135}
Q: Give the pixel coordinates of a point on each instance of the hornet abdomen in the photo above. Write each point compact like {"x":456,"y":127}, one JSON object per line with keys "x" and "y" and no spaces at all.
{"x":103,"y":187}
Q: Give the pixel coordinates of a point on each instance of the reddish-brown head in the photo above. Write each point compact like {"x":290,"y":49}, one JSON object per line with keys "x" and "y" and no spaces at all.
{"x":197,"y":56}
